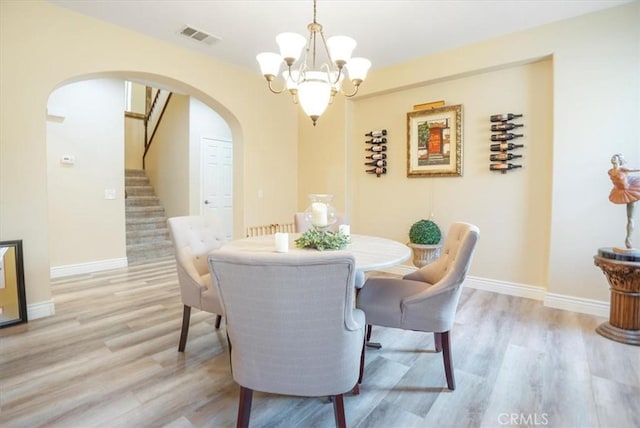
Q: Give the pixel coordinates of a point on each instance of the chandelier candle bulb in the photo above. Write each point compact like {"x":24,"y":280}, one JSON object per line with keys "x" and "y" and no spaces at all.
{"x":319,"y":214}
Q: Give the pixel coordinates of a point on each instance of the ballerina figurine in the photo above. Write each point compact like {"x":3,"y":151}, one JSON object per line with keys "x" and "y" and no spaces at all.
{"x":626,"y":190}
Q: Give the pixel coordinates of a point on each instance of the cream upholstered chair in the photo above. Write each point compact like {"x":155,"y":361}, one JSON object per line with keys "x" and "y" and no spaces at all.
{"x":427,"y":299}
{"x":292,"y":324}
{"x":193,"y":238}
{"x":302,"y":225}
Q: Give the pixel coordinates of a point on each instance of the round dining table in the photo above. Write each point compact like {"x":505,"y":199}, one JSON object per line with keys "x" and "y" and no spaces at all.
{"x":370,"y":252}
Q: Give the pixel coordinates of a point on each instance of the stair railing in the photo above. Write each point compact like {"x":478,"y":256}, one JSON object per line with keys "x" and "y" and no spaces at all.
{"x":156,"y":104}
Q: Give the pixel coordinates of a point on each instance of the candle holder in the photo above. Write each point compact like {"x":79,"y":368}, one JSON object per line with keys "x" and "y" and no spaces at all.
{"x":320,"y":214}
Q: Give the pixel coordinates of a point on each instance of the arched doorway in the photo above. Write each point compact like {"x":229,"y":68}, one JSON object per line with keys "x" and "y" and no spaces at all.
{"x":85,"y":176}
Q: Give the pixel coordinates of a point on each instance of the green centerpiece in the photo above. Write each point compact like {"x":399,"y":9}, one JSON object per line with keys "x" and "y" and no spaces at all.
{"x":424,"y":240}
{"x":425,"y":232}
{"x":322,"y":240}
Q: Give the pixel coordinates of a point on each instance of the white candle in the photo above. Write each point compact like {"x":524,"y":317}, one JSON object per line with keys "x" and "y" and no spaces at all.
{"x":319,"y":214}
{"x":282,"y":242}
{"x":344,"y":229}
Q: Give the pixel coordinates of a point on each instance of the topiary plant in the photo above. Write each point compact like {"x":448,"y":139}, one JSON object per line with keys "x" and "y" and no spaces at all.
{"x":425,"y":232}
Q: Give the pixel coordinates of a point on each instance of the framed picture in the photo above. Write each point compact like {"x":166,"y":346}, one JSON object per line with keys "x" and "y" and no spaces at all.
{"x":13,"y":304}
{"x":434,"y":142}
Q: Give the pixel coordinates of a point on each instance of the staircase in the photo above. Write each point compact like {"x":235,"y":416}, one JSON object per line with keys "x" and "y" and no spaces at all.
{"x":147,"y":233}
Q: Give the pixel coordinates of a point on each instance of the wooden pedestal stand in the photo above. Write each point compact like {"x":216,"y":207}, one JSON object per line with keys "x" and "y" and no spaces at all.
{"x":623,"y":273}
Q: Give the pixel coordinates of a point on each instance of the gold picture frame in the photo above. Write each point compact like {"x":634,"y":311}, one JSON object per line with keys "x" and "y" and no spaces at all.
{"x":434,"y":142}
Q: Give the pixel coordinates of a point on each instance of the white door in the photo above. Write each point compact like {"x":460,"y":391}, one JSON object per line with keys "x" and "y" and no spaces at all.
{"x":217,"y":181}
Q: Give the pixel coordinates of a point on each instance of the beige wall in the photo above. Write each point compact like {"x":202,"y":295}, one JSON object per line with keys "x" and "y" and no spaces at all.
{"x":167,"y":162}
{"x":84,"y":226}
{"x":133,"y":142}
{"x":594,"y":86}
{"x":595,"y":80}
{"x":511,"y":206}
{"x":43,"y":46}
{"x":138,"y":98}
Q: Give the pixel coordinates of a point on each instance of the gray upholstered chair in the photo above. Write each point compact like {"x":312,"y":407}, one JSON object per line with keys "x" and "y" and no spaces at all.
{"x":193,"y":238}
{"x":302,"y":225}
{"x":292,"y":324}
{"x":427,"y":299}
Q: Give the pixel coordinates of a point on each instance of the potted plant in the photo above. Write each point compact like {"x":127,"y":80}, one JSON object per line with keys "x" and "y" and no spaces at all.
{"x":424,"y":240}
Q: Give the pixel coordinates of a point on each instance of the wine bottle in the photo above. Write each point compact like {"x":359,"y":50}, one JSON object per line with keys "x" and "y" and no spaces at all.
{"x":505,"y":126}
{"x":379,"y":133}
{"x":377,"y":163}
{"x":505,"y":136}
{"x":376,"y":149}
{"x":377,"y":171}
{"x":504,"y":117}
{"x":377,"y":140}
{"x":503,"y":166}
{"x":377,"y":156}
{"x":503,"y":157}
{"x":505,"y":146}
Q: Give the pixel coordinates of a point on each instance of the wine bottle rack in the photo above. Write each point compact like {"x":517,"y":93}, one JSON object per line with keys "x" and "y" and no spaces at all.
{"x":504,"y":132}
{"x":376,"y":152}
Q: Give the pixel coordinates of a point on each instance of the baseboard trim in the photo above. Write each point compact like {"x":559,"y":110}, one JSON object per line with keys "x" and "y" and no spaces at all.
{"x":598,"y":308}
{"x":504,"y":287}
{"x":40,"y":310}
{"x":90,"y":267}
{"x":551,"y":300}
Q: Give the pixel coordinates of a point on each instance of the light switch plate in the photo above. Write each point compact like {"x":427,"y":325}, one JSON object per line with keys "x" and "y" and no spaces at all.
{"x":109,"y":193}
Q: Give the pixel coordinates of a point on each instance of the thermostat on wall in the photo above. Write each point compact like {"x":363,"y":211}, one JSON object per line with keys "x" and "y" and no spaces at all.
{"x":68,"y":159}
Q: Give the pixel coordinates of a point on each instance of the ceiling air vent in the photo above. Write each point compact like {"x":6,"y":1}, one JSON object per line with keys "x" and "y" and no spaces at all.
{"x":199,"y":36}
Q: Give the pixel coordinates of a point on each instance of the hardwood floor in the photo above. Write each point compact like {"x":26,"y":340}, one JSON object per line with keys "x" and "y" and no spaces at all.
{"x":109,"y":358}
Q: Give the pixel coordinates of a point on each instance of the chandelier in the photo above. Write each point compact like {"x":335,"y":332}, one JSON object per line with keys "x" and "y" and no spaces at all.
{"x":313,"y":86}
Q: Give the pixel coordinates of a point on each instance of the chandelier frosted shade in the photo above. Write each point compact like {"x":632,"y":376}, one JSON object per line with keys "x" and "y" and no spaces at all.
{"x":358,"y":68}
{"x":314,"y":94}
{"x":270,"y":64}
{"x":340,"y":49}
{"x":310,"y":84}
{"x":290,"y":45}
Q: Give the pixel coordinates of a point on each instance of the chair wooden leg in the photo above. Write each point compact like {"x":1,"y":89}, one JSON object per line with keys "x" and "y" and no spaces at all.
{"x":364,"y":345}
{"x":437,"y":340}
{"x":448,"y":360}
{"x":218,"y":319}
{"x":244,"y":407}
{"x":186,"y":316}
{"x":338,"y":411}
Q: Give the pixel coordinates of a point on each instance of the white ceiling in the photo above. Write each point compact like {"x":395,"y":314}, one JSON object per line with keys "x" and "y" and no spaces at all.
{"x":388,"y":31}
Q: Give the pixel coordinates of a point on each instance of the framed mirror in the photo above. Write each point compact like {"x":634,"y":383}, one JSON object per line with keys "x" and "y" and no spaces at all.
{"x":13,"y":303}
